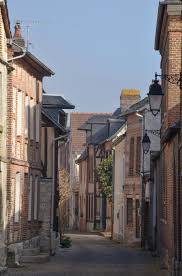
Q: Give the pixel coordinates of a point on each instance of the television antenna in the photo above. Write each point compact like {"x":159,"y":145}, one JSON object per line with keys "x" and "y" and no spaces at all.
{"x":27,"y":24}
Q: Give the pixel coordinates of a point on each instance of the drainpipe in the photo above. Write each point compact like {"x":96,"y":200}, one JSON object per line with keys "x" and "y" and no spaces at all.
{"x":143,"y":189}
{"x":24,"y":50}
{"x":113,"y":182}
{"x":95,"y":189}
{"x":53,"y":191}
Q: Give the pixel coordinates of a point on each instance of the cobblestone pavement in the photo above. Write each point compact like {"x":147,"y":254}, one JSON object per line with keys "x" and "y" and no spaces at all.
{"x":94,"y":255}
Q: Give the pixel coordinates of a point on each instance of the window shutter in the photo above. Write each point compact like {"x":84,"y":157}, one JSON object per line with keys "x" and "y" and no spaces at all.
{"x":19,"y":113}
{"x":138,"y":155}
{"x":27,"y":115}
{"x":14,"y":100}
{"x":129,"y":210}
{"x":36,"y":197}
{"x":17,"y":197}
{"x":131,"y":157}
{"x":37,"y":123}
{"x":13,"y":137}
{"x":32,"y":105}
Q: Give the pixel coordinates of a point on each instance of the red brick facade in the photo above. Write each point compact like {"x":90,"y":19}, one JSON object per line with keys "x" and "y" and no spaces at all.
{"x":23,"y":153}
{"x":132,"y":187}
{"x":169,"y":43}
{"x":23,"y":146}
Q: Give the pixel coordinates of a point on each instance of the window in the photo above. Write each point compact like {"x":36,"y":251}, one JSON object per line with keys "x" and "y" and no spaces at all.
{"x":36,"y":197}
{"x":37,"y":123}
{"x":80,"y":170}
{"x":131,"y":157}
{"x":137,"y":219}
{"x":76,"y":171}
{"x":19,"y":113}
{"x":90,"y":207}
{"x":37,"y":91}
{"x":122,"y":172}
{"x":163,"y":188}
{"x":138,"y":155}
{"x":17,"y":197}
{"x":90,"y":169}
{"x":14,"y":100}
{"x":27,"y":115}
{"x":129,"y":210}
{"x":30,"y":199}
{"x":32,"y":118}
{"x":13,"y":137}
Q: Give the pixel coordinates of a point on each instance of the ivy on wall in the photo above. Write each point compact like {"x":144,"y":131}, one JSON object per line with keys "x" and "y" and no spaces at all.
{"x":104,"y":176}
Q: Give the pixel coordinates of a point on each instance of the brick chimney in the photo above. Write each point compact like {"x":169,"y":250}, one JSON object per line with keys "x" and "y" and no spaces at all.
{"x":129,"y":97}
{"x":17,"y":38}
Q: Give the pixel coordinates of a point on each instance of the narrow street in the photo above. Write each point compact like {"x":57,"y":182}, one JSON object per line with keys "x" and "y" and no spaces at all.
{"x":94,"y":255}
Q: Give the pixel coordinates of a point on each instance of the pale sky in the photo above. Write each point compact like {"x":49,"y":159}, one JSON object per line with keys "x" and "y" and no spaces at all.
{"x":95,"y":47}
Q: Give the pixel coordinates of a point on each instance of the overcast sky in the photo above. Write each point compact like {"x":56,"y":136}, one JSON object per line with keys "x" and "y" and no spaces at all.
{"x":95,"y":47}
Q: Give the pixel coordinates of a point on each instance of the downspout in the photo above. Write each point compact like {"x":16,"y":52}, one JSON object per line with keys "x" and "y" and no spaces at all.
{"x":24,"y":50}
{"x":95,"y":188}
{"x":143,"y":188}
{"x":113,"y":182}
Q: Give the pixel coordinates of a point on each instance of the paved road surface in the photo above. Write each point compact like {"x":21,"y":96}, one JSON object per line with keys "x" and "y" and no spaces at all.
{"x":92,"y":255}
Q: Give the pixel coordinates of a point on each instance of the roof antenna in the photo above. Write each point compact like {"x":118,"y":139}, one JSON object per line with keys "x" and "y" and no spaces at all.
{"x":28,"y":25}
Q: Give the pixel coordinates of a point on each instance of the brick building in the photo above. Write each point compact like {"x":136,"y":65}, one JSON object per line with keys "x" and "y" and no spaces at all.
{"x":132,"y":188}
{"x":89,"y":199}
{"x":5,"y":35}
{"x":168,"y":169}
{"x":76,"y":145}
{"x":24,"y":163}
{"x":95,"y":207}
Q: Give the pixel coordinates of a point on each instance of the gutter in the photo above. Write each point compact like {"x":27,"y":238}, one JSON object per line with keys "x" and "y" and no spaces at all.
{"x":159,"y":24}
{"x":24,"y":52}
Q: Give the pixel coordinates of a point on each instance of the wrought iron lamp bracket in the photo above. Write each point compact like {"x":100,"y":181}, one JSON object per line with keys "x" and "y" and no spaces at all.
{"x":154,"y":132}
{"x":173,"y":78}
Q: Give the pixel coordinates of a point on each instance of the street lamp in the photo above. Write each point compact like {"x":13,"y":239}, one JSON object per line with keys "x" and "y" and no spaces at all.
{"x":146,"y":143}
{"x":155,"y":96}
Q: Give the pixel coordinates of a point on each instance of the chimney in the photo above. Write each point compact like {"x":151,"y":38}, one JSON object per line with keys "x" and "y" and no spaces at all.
{"x":129,"y":97}
{"x":17,"y":38}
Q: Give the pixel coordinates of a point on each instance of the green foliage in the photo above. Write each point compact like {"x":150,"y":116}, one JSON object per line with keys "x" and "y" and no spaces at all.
{"x":65,"y":242}
{"x":104,"y":176}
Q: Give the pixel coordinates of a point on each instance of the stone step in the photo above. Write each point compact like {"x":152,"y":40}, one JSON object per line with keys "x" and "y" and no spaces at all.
{"x":39,"y":259}
{"x":31,"y":251}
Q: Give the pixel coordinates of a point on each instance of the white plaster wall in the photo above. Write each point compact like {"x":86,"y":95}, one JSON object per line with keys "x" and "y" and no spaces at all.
{"x":150,"y":122}
{"x":119,"y":180}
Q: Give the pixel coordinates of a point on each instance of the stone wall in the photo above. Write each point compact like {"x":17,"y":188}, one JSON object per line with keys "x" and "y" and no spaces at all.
{"x":45,"y":213}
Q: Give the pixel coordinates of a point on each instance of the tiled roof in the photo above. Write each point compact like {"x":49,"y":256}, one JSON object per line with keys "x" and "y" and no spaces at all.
{"x":52,"y":115}
{"x":96,"y":119}
{"x":78,"y":137}
{"x":117,"y":112}
{"x":54,"y":112}
{"x":56,"y":101}
{"x":105,"y":132}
